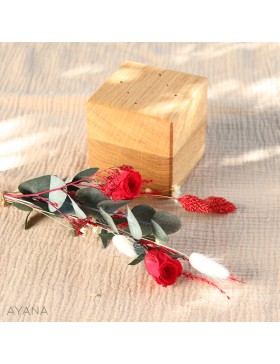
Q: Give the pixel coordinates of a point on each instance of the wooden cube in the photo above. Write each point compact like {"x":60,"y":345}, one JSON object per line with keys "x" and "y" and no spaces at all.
{"x":150,"y":118}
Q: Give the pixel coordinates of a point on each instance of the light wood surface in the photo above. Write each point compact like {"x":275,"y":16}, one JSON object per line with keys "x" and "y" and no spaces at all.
{"x":151,"y":118}
{"x":43,"y":93}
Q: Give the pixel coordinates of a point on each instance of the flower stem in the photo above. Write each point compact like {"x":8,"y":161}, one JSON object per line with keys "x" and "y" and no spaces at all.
{"x":154,"y":195}
{"x":38,"y":210}
{"x":11,"y":199}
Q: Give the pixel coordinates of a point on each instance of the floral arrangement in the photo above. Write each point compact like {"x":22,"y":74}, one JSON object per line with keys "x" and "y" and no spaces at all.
{"x":97,"y":200}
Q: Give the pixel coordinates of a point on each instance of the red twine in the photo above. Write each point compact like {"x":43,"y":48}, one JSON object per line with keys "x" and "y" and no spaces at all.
{"x":204,"y":280}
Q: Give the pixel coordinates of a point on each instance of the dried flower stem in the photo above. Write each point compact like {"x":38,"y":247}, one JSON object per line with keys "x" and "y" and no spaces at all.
{"x":38,"y":210}
{"x":9,"y":198}
{"x":155,"y":195}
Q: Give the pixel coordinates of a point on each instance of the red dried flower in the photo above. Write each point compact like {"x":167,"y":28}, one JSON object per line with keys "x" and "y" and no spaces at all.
{"x":194,"y":204}
{"x":164,"y":269}
{"x":122,"y":184}
{"x":218,"y":205}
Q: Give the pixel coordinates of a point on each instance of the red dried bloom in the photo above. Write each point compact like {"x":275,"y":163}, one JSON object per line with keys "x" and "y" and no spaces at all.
{"x":123,"y":183}
{"x":194,"y":204}
{"x":78,"y":224}
{"x":218,"y":205}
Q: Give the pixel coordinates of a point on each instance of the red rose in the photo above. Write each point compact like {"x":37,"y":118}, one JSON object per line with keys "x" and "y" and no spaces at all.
{"x":128,"y":184}
{"x":164,"y":269}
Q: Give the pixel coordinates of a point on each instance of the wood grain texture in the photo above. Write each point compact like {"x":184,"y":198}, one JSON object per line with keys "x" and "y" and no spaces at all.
{"x":156,"y":114}
{"x":43,"y":93}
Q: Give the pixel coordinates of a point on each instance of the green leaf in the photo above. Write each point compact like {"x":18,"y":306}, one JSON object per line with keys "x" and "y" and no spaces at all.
{"x":109,"y":220}
{"x":90,"y":197}
{"x":133,"y":225}
{"x":150,"y":237}
{"x":36,"y":185}
{"x":139,"y":249}
{"x":111,"y":206}
{"x":70,"y":207}
{"x":43,"y":205}
{"x":106,"y":233}
{"x":158,"y":232}
{"x":58,"y":197}
{"x":78,"y":212}
{"x":144,"y":214}
{"x":66,"y":208}
{"x":138,"y":259}
{"x":23,"y":207}
{"x":100,"y":219}
{"x":120,"y":220}
{"x":84,"y":174}
{"x":168,"y":222}
{"x":104,"y":241}
{"x":105,"y":237}
{"x":26,"y":221}
{"x":175,"y":256}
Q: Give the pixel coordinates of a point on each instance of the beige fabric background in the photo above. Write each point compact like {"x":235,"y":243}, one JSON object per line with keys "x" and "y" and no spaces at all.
{"x":43,"y":91}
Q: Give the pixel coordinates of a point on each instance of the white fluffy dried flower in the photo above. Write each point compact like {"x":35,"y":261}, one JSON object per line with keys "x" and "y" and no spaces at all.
{"x":124,"y":245}
{"x":208,"y":266}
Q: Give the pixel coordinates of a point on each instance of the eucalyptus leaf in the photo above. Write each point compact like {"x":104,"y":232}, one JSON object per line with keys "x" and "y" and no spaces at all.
{"x":139,"y":249}
{"x":90,"y":197}
{"x":78,"y":211}
{"x":43,"y":205}
{"x":120,"y":220}
{"x":83,"y":174}
{"x":111,"y":206}
{"x":22,"y":207}
{"x":36,"y":185}
{"x":70,"y":207}
{"x":168,"y":222}
{"x":104,"y":241}
{"x":101,"y":220}
{"x":57,"y":197}
{"x":159,"y":232}
{"x":133,"y":225}
{"x":150,"y":237}
{"x":138,"y":260}
{"x":26,"y":221}
{"x":109,"y":220}
{"x":144,"y":214}
{"x":175,"y":256}
{"x":66,"y":208}
{"x":105,"y":237}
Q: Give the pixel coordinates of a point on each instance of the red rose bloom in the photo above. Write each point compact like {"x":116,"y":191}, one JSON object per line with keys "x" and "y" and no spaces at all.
{"x":128,"y":184}
{"x":164,"y":269}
